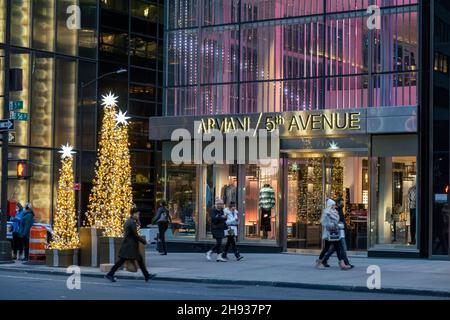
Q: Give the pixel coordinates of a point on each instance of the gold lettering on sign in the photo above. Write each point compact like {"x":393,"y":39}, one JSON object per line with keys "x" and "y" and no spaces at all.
{"x":316,"y":120}
{"x":355,"y":121}
{"x":340,"y":123}
{"x":294,"y":122}
{"x":328,"y":121}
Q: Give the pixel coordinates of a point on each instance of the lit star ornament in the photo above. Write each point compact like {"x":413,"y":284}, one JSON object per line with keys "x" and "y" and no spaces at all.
{"x":66,"y":151}
{"x":109,"y":100}
{"x":333,"y":145}
{"x":121,"y":118}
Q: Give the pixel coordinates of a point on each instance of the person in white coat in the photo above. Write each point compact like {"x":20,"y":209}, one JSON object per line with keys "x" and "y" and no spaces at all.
{"x":232,"y":231}
{"x":331,"y":234}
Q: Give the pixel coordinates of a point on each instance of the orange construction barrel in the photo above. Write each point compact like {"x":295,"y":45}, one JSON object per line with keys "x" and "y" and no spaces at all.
{"x":38,"y":243}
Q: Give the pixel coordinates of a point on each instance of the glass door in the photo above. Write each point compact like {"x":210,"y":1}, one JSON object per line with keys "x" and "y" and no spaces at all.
{"x":310,"y":182}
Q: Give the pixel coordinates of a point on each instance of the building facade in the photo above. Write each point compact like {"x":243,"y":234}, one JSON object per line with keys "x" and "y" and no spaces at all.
{"x":342,"y":86}
{"x":54,"y":61}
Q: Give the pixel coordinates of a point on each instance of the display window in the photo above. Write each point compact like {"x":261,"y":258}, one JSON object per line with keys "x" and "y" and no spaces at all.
{"x":180,"y":194}
{"x":261,"y":201}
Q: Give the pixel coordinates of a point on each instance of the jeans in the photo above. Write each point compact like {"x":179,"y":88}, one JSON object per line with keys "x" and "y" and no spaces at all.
{"x":17,"y":245}
{"x":218,"y":247}
{"x":231,"y":241}
{"x":327,"y":246}
{"x":343,"y":249}
{"x":121,"y":261}
{"x":26,"y":246}
{"x":162,"y":227}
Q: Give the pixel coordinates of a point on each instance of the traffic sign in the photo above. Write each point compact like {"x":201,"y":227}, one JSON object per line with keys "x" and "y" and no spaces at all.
{"x":12,"y":137}
{"x":6,"y":124}
{"x":21,"y":116}
{"x":16,"y":105}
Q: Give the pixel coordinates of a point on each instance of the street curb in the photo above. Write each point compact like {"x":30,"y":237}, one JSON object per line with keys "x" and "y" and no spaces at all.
{"x":403,"y":291}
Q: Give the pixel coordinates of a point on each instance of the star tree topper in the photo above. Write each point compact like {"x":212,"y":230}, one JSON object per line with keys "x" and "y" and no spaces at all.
{"x":66,"y":151}
{"x":121,"y":118}
{"x":109,"y":100}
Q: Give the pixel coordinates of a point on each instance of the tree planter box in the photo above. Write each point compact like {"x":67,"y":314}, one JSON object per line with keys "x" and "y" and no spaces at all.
{"x":109,"y":249}
{"x":89,"y":250}
{"x":61,"y":258}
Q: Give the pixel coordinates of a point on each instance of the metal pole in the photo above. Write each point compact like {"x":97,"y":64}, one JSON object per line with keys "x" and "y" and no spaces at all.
{"x":5,"y":246}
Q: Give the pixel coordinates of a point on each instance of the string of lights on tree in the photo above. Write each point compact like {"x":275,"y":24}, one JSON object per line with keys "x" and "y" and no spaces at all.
{"x":65,"y":234}
{"x":111,"y":198}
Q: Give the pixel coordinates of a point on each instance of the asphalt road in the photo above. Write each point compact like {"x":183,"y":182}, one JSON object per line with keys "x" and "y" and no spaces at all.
{"x":19,"y":286}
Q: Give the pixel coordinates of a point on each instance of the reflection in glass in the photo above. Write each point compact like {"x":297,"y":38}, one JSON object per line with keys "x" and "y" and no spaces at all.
{"x":41,"y":184}
{"x":43,"y":24}
{"x":180,"y":194}
{"x":65,"y":102}
{"x":66,"y":38}
{"x":20,"y":23}
{"x":41,"y":117}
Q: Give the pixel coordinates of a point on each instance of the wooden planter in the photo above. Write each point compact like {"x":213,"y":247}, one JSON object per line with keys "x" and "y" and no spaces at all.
{"x":109,"y":249}
{"x":89,"y":250}
{"x":61,"y":258}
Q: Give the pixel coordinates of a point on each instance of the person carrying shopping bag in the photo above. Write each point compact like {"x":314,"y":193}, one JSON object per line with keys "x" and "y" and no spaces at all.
{"x":231,"y":233}
{"x":331,"y":234}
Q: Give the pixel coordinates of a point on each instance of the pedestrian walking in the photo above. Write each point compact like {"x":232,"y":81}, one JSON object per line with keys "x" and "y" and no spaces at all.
{"x":163,"y":219}
{"x":231,"y":233}
{"x":17,"y":247}
{"x":343,"y":233}
{"x":218,"y":226}
{"x":330,"y":234}
{"x":129,"y":250}
{"x":25,"y":225}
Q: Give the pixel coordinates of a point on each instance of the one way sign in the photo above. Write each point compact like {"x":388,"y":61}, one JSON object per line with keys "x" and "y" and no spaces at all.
{"x":6,"y":124}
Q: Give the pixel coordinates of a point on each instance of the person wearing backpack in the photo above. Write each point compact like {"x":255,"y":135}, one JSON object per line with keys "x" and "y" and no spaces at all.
{"x":163,"y":219}
{"x":330,"y":234}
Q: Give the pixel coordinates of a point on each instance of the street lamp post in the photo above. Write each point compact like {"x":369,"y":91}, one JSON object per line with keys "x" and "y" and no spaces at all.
{"x":84,"y":85}
{"x":5,"y":246}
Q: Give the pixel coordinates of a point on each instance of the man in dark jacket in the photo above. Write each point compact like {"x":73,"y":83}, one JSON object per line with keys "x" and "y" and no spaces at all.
{"x":129,"y":249}
{"x":342,"y":241}
{"x":218,"y":227}
{"x":25,"y":225}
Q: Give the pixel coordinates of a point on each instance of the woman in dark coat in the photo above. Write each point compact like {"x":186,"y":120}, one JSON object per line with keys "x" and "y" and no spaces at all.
{"x":129,"y":250}
{"x":218,"y":226}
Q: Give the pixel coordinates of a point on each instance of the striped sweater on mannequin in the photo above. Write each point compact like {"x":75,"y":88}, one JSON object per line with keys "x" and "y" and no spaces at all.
{"x":266,"y":197}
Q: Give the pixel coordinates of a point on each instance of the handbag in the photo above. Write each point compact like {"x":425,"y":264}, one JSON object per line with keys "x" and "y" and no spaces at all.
{"x":334,"y":234}
{"x":131,"y":265}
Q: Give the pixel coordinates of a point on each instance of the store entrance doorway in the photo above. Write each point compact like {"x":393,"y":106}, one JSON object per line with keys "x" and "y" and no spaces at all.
{"x":312,"y":180}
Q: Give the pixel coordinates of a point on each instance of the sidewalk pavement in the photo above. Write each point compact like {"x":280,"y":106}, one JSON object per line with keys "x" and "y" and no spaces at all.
{"x":403,"y":276}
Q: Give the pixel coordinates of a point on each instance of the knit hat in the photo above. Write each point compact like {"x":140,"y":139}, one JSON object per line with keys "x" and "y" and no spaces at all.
{"x":219,"y":201}
{"x":330,"y":203}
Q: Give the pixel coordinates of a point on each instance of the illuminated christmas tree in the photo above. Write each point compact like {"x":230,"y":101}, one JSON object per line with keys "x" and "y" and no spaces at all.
{"x":110,"y":200}
{"x":65,"y":234}
{"x":337,"y":179}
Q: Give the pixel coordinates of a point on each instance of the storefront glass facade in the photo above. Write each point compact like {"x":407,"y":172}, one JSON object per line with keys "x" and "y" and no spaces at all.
{"x":54,"y":61}
{"x":278,"y":56}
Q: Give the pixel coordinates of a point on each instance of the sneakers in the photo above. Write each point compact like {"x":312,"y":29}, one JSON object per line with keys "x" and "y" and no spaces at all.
{"x":239,"y":258}
{"x":221,"y":259}
{"x":208,"y":255}
{"x":325,"y":264}
{"x":110,"y":278}
{"x":319,"y":264}
{"x":343,"y":266}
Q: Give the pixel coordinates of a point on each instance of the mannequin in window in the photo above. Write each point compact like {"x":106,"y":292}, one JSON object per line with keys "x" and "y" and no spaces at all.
{"x":412,"y":212}
{"x":229,"y":194}
{"x":266,"y":204}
